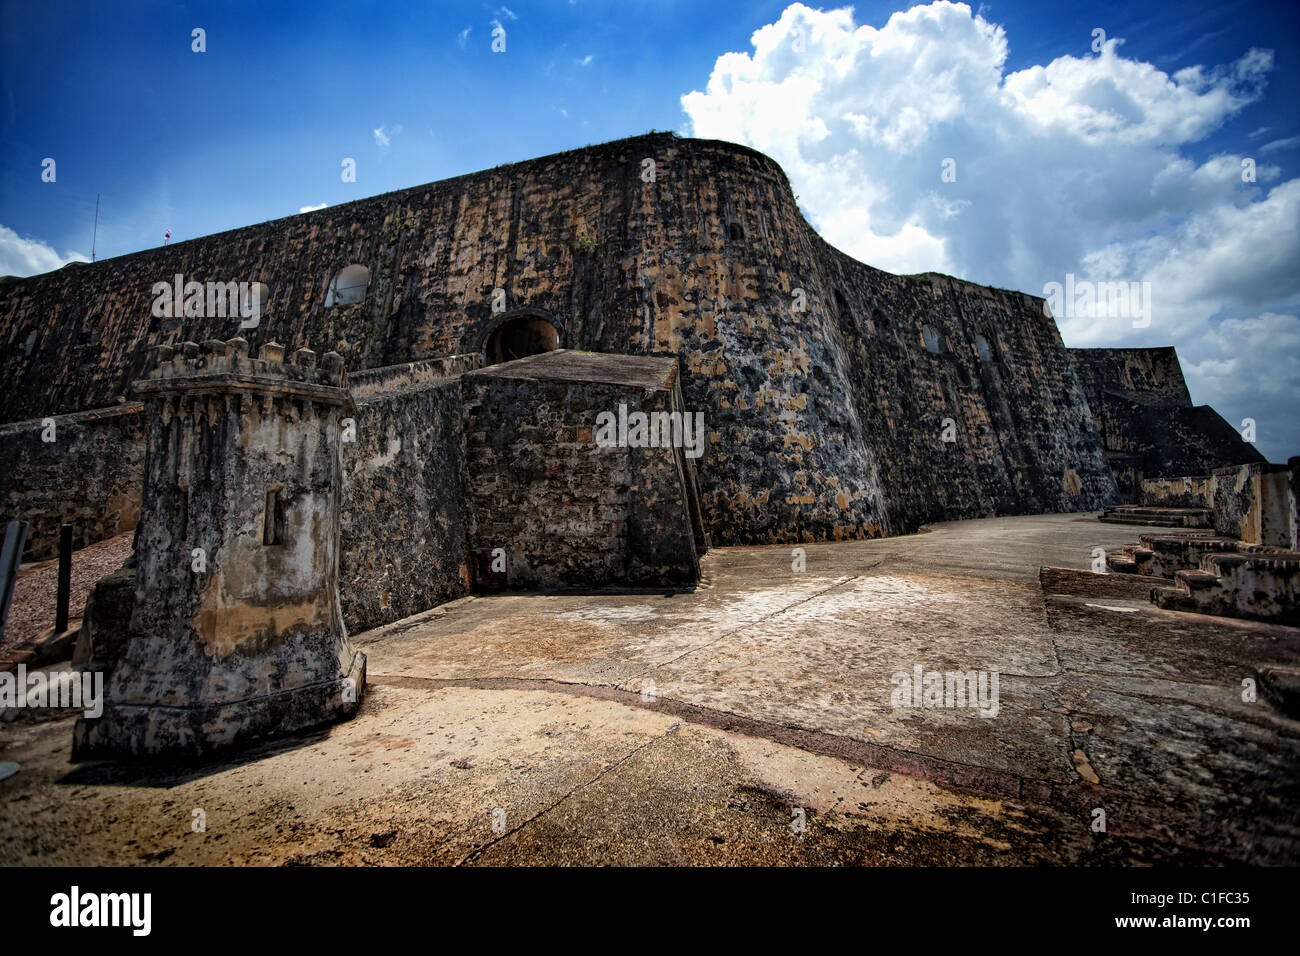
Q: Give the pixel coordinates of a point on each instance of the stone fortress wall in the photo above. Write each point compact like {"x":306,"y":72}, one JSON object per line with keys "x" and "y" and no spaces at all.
{"x":1148,"y":423}
{"x":823,"y":423}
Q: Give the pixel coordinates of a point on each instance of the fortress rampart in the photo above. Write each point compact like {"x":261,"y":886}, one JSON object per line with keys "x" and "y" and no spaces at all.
{"x":828,"y":387}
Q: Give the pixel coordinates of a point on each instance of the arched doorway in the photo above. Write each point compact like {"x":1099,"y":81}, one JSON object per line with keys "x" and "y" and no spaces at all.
{"x":520,"y":336}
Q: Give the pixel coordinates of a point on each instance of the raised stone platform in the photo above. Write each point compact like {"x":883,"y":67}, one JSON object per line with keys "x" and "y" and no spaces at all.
{"x":1198,"y":571}
{"x":649,"y":729}
{"x":1160,"y":517}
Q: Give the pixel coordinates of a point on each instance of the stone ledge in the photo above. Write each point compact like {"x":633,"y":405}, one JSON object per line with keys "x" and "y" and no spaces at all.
{"x":1071,"y":581}
{"x":228,"y":382}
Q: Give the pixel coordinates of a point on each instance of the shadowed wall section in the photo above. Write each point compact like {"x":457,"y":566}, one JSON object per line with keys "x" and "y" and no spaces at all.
{"x":825,"y":409}
{"x":405,"y":513}
{"x":564,"y":505}
{"x":1148,"y":424}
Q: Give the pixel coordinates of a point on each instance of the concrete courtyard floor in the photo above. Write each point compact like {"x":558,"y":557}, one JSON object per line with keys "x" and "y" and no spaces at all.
{"x":702,"y":727}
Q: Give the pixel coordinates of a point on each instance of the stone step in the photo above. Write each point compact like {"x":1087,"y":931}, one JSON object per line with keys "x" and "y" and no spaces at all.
{"x":1281,"y":685}
{"x":1196,"y":580}
{"x":1163,"y":554}
{"x":1259,"y":585}
{"x":1072,"y":581}
{"x":1130,"y":559}
{"x":1160,"y":517}
{"x":1267,"y":550}
{"x":1157,"y":510}
{"x":1275,"y":561}
{"x":1154,"y":539}
{"x":1171,"y":553}
{"x":1156,"y":522}
{"x":1173,"y":599}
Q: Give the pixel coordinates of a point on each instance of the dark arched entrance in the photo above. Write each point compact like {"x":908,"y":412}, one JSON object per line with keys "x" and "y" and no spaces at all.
{"x":520,"y":336}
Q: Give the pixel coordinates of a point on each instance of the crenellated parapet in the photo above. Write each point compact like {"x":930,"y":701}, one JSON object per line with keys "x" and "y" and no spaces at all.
{"x":196,"y":369}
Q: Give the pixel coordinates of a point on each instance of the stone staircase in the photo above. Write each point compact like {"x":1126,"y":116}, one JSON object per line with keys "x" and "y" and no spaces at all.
{"x":1162,"y":555}
{"x":1199,"y":571}
{"x":1255,"y":582}
{"x":1159,"y":517}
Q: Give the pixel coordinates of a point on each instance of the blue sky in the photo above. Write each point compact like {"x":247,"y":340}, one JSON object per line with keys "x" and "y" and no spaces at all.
{"x":1137,"y":185}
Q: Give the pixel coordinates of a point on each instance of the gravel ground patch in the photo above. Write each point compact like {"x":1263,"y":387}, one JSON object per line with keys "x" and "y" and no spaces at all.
{"x":32,"y":610}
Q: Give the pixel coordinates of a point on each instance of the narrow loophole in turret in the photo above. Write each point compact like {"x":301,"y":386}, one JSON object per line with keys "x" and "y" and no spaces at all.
{"x":273,"y":522}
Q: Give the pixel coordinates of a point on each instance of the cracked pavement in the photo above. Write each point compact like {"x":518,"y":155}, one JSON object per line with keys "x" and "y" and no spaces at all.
{"x":701,"y":727}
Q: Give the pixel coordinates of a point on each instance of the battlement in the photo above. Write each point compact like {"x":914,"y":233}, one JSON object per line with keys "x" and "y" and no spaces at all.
{"x":225,"y":367}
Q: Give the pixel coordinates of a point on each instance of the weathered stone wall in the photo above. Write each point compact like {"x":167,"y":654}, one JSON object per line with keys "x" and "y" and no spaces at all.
{"x":1155,"y":374}
{"x":378,"y":381}
{"x":405,"y":508}
{"x":566,"y":512}
{"x":89,"y":476}
{"x":995,"y":368}
{"x":1293,"y":500}
{"x":403,"y":543}
{"x":1232,"y":495}
{"x":1193,"y":491}
{"x":824,"y":423}
{"x":1255,"y":503}
{"x":235,"y":631}
{"x":1147,"y":421}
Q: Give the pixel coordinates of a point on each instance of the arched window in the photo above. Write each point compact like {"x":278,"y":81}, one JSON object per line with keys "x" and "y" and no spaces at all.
{"x":88,"y":333}
{"x":520,"y":336}
{"x":932,"y":338}
{"x":349,"y":286}
{"x":842,"y":310}
{"x":736,"y":232}
{"x":880,"y":322}
{"x":258,"y":294}
{"x":983,"y":348}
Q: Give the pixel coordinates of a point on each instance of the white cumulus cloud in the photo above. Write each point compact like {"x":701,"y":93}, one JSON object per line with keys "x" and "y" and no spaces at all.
{"x":29,"y":257}
{"x":1074,"y":167}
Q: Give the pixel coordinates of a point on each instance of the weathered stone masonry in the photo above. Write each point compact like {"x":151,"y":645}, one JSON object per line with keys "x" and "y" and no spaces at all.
{"x":824,"y":423}
{"x":564,"y":511}
{"x":488,"y":322}
{"x":1147,"y":421}
{"x":229,"y":627}
{"x":405,"y":508}
{"x":235,"y":631}
{"x":88,"y":474}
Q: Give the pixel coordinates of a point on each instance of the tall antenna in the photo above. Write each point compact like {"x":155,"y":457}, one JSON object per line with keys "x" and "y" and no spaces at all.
{"x":94,"y":237}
